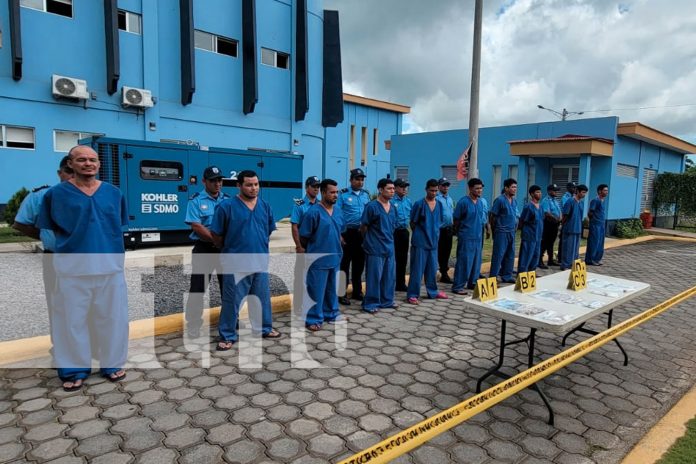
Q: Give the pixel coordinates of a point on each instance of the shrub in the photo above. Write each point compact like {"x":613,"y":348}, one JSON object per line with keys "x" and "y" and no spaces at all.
{"x":629,"y":228}
{"x":13,"y":205}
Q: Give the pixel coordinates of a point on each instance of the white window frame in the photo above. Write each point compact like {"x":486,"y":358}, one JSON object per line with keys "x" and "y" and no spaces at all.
{"x":276,"y":53}
{"x":44,"y":8}
{"x":623,"y":168}
{"x":129,"y":17}
{"x":214,"y":43}
{"x":398,"y":172}
{"x":81,"y":135}
{"x":3,"y":138}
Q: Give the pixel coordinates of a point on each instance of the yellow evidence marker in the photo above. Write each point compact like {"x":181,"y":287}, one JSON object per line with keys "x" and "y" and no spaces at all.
{"x":486,"y":289}
{"x":526,"y":282}
{"x":577,"y":280}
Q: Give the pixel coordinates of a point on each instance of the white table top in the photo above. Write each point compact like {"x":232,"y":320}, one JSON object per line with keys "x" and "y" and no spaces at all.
{"x":554,"y":308}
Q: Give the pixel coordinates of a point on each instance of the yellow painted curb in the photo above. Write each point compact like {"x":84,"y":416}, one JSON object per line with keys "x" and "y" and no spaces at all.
{"x":665,"y":433}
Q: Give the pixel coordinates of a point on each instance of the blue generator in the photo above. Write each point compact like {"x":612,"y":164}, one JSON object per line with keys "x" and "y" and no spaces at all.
{"x":158,"y":179}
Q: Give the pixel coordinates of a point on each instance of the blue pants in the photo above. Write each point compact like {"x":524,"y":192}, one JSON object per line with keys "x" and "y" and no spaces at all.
{"x":503,"y":259}
{"x":529,"y":255}
{"x":595,"y":243}
{"x":380,"y":281}
{"x":321,"y":288}
{"x":571,"y":246}
{"x":468,"y":266}
{"x":76,"y":298}
{"x":233,"y":295}
{"x":423,"y":263}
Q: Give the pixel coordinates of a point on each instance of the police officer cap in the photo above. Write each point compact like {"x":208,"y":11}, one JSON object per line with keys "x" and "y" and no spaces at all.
{"x":212,"y":172}
{"x":313,"y":181}
{"x":553,"y":187}
{"x":357,"y":172}
{"x":401,"y":183}
{"x":443,"y":181}
{"x":571,"y":185}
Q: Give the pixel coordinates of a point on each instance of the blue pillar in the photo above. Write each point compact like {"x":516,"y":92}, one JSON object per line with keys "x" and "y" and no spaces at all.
{"x":522,"y":187}
{"x":584,"y":175}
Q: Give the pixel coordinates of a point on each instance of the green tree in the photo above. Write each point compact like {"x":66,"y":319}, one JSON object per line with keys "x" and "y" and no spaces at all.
{"x":13,"y":205}
{"x":690,"y":164}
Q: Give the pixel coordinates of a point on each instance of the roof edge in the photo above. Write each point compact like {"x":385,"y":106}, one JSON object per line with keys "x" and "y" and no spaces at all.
{"x":639,"y":131}
{"x":374,"y":103}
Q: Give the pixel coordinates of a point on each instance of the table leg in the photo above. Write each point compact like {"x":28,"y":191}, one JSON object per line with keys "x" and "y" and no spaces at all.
{"x":535,"y":386}
{"x":582,"y":329}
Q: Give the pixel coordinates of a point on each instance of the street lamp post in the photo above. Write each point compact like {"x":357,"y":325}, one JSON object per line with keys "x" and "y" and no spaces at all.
{"x":475,"y":84}
{"x":561,"y":114}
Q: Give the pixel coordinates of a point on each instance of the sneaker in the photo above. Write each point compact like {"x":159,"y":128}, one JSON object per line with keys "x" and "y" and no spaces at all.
{"x":441,"y":296}
{"x":401,"y":289}
{"x":339,"y":320}
{"x":357,"y":296}
{"x":413,"y":300}
{"x":445,"y":279}
{"x":344,"y":300}
{"x":542,"y":266}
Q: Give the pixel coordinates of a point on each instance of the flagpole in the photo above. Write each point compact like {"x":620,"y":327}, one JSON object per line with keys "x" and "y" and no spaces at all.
{"x":475,"y":84}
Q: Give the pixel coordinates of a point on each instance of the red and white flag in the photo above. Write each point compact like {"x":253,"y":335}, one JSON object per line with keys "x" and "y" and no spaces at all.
{"x":463,"y":163}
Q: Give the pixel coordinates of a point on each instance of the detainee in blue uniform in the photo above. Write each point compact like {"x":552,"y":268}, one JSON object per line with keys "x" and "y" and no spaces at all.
{"x":572,"y":227}
{"x":300,"y":207}
{"x":205,"y":255}
{"x":320,"y":232}
{"x":504,"y":223}
{"x":597,"y":215}
{"x":87,"y":216}
{"x":377,"y":226}
{"x":570,"y":192}
{"x":532,"y":226}
{"x":426,"y":218}
{"x":468,"y":216}
{"x":241,"y":228}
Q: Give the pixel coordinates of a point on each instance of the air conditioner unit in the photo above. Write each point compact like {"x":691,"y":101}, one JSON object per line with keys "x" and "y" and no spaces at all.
{"x":68,"y":87}
{"x":138,"y":98}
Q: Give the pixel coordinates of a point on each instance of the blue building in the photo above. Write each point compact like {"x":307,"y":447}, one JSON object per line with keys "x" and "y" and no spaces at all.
{"x":237,"y":74}
{"x":626,"y":156}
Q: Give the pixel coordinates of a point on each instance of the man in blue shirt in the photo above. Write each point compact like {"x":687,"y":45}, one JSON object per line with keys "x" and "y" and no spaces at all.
{"x":444,"y":244}
{"x":377,"y":226}
{"x":241,"y":228}
{"x":570,"y":191}
{"x":469,"y":228}
{"x":87,"y":217}
{"x":204,"y":255}
{"x":531,"y":224}
{"x":552,"y":219}
{"x":403,"y":205}
{"x":598,"y":216}
{"x":503,"y":218}
{"x":426,"y":218}
{"x":351,"y":202}
{"x":301,"y":206}
{"x":572,"y":227}
{"x":320,"y":233}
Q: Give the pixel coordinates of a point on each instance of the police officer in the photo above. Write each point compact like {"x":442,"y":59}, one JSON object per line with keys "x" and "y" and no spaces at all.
{"x":570,"y":192}
{"x":403,"y":205}
{"x":552,"y":219}
{"x":199,"y":215}
{"x":444,"y":245}
{"x":351,"y":202}
{"x":299,"y":209}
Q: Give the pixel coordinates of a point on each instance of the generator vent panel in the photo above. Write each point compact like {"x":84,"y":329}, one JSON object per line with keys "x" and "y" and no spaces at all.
{"x":110,"y":161}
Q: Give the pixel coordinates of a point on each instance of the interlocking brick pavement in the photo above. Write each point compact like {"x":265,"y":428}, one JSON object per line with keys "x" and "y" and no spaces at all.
{"x":397,"y":368}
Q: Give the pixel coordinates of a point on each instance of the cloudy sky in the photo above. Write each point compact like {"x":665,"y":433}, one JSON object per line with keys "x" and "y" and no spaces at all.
{"x":583,"y":55}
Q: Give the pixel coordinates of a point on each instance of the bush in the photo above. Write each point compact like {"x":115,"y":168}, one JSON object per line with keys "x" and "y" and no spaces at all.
{"x":629,"y":228}
{"x":13,"y":205}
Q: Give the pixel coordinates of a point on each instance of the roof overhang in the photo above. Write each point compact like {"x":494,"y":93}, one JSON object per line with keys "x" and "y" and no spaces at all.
{"x":562,"y":148}
{"x":371,"y":102}
{"x":638,"y":131}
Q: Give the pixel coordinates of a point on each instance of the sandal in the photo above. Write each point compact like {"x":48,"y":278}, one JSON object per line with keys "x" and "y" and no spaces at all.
{"x":273,"y":334}
{"x":460,"y":292}
{"x":224,"y":345}
{"x":314,"y":327}
{"x":118,"y":378}
{"x":74,"y":386}
{"x":441,"y":296}
{"x":413,"y":300}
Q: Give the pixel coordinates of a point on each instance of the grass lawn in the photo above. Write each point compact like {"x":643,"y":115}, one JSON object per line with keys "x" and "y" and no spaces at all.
{"x":684,"y":450}
{"x":9,"y":235}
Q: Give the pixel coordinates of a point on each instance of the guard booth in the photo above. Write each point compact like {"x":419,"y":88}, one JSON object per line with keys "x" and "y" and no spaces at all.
{"x":158,"y":180}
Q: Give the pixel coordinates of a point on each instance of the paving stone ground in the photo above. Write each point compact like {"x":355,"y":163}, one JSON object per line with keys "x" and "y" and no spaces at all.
{"x":397,"y":368}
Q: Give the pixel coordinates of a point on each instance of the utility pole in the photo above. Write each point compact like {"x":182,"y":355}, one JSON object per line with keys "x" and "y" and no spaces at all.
{"x":475,"y":85}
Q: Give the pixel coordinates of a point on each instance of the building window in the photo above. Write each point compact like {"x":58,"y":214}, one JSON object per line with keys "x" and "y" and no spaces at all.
{"x":531,"y":176}
{"x":17,"y":137}
{"x":363,"y":146}
{"x":450,"y":172}
{"x":215,"y":43}
{"x":351,"y":146}
{"x":129,"y":22}
{"x":375,"y":144}
{"x":274,"y":58}
{"x":512,"y":171}
{"x":497,"y":180}
{"x":627,"y":170}
{"x":401,"y":172}
{"x":63,"y":140}
{"x":59,"y":7}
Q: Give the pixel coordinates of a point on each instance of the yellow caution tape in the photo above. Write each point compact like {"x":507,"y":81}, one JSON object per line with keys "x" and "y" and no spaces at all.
{"x":414,"y":436}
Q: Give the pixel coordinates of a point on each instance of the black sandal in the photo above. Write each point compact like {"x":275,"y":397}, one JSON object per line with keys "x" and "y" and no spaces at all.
{"x":118,"y":378}
{"x":74,"y":387}
{"x":273,"y":334}
{"x":224,"y":345}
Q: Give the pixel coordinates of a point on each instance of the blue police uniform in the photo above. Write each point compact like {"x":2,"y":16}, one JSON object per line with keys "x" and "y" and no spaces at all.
{"x":28,"y":214}
{"x":403,"y":207}
{"x":503,"y":255}
{"x":352,"y":203}
{"x":446,"y":233}
{"x":378,"y":244}
{"x":426,"y":233}
{"x":484,"y":217}
{"x":572,"y":229}
{"x":87,"y":286}
{"x":532,"y":227}
{"x":300,"y":208}
{"x":550,"y":229}
{"x":595,"y":240}
{"x":204,"y":259}
{"x":468,"y":215}
{"x":564,"y":199}
{"x":245,"y":232}
{"x":323,"y":234}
